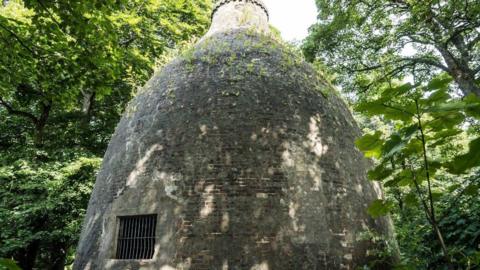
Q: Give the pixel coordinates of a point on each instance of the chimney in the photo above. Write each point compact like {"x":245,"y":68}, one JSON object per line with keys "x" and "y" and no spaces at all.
{"x":239,"y":14}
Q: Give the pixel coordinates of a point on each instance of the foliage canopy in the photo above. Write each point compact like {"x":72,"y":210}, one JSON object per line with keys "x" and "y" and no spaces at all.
{"x":67,"y":72}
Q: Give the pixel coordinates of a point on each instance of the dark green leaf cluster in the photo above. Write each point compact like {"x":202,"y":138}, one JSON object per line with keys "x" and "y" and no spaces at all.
{"x":42,"y":204}
{"x":67,"y":71}
{"x":420,"y":151}
{"x":369,"y":42}
{"x":423,"y":136}
{"x":421,"y":115}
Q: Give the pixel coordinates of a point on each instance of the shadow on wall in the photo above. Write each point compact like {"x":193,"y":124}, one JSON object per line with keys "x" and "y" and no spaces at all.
{"x":257,"y":203}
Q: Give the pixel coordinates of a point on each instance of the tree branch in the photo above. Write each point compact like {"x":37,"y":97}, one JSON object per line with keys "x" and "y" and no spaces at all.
{"x":472,"y":43}
{"x":397,"y":109}
{"x":367,"y":68}
{"x":420,"y":195}
{"x":22,"y":43}
{"x":427,"y":62}
{"x":13,"y":111}
{"x":475,"y":71}
{"x":409,"y":60}
{"x":429,"y":183}
{"x":49,"y":13}
{"x":416,"y":39}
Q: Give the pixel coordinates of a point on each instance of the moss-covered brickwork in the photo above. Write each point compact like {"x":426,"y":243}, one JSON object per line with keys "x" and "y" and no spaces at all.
{"x":248,"y":160}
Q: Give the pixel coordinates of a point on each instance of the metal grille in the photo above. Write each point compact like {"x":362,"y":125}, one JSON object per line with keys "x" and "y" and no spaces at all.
{"x":136,"y":237}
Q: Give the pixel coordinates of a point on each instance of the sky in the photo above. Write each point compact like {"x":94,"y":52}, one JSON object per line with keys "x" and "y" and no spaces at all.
{"x":292,"y":17}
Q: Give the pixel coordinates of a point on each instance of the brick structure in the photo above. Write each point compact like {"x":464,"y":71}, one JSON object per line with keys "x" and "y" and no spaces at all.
{"x":242,"y":155}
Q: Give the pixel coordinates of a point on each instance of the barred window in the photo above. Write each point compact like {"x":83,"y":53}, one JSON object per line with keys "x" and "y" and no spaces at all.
{"x":136,"y":237}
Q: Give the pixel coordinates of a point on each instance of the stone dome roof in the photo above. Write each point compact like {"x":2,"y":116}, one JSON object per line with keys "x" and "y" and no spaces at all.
{"x":247,"y":159}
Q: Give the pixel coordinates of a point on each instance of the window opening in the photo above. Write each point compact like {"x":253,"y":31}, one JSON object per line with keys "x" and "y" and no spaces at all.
{"x":136,"y":237}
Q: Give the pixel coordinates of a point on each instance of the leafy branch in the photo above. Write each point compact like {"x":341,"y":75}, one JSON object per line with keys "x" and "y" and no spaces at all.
{"x":422,"y":122}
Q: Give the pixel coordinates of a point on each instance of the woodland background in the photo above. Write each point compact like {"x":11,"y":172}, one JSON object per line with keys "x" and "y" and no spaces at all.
{"x":410,"y":71}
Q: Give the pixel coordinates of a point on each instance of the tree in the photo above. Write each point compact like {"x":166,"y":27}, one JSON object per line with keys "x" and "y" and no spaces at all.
{"x":67,"y":71}
{"x":423,"y":136}
{"x":58,"y":54}
{"x":369,"y":42}
{"x":42,"y":206}
{"x":411,"y":157}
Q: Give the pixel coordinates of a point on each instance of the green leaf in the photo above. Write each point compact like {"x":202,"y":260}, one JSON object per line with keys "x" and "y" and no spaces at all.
{"x":472,"y":190}
{"x":370,"y":144}
{"x":445,"y":120}
{"x":9,"y":264}
{"x":411,"y":199}
{"x":434,"y":165}
{"x":414,"y":147}
{"x":405,"y":178}
{"x":465,"y":162}
{"x":440,"y":95}
{"x":398,"y":141}
{"x":409,"y":131}
{"x":446,"y":134}
{"x":394,"y":145}
{"x":379,"y":208}
{"x":402,"y":112}
{"x":379,"y":173}
{"x":402,"y":179}
{"x":439,"y":82}
{"x":391,"y":183}
{"x":454,"y":187}
{"x":396,"y":91}
{"x":436,"y":195}
{"x":473,"y":109}
{"x":453,"y":106}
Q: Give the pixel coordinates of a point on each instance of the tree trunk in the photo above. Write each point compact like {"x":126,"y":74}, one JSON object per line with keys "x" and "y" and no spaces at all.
{"x":41,"y":123}
{"x":457,"y":63}
{"x":59,"y":258}
{"x":26,"y":260}
{"x":467,"y":83}
{"x":430,"y":211}
{"x":87,"y":105}
{"x":460,"y":72}
{"x":38,"y":139}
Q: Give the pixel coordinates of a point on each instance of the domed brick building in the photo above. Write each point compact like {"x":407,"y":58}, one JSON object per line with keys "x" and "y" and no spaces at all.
{"x":237,"y":155}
